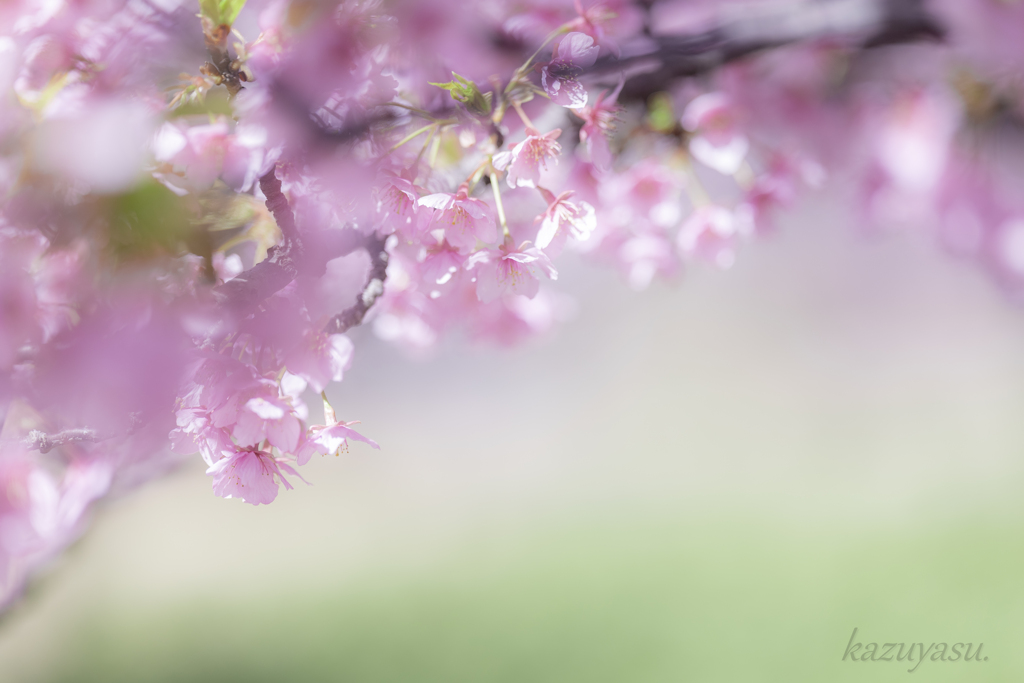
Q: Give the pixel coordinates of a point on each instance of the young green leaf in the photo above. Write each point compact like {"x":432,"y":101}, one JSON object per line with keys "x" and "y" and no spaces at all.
{"x":221,"y":12}
{"x":466,"y":91}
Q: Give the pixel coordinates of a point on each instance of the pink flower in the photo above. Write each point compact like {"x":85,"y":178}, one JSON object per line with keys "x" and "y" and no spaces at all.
{"x":598,"y":121}
{"x":564,"y":217}
{"x":509,"y":270}
{"x":270,"y":418}
{"x":440,"y":266}
{"x":39,"y":515}
{"x":914,"y":141}
{"x":776,"y":186}
{"x":1006,"y":253}
{"x":398,"y":208}
{"x":514,"y":319}
{"x":645,"y":255}
{"x":648,"y":184}
{"x":464,"y":219}
{"x":404,"y":313}
{"x":621,"y":17}
{"x":560,"y":77}
{"x":101,"y":142}
{"x":251,"y":475}
{"x":711,"y":233}
{"x":212,"y":150}
{"x":320,"y":359}
{"x":525,"y":161}
{"x":19,"y":308}
{"x":718,"y":141}
{"x":328,"y":440}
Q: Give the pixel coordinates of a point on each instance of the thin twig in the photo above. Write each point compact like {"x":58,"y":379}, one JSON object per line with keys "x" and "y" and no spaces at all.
{"x":44,"y":443}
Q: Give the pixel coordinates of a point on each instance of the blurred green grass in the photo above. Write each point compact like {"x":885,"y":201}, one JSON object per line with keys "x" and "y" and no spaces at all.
{"x":613,"y":599}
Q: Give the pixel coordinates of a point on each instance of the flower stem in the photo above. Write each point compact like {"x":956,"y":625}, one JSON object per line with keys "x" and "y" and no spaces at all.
{"x":330,"y":417}
{"x":413,"y":135}
{"x":477,"y":174}
{"x":526,"y":66}
{"x":694,"y":188}
{"x":497,"y":202}
{"x":416,"y":110}
{"x":522,"y":115}
{"x":424,"y":148}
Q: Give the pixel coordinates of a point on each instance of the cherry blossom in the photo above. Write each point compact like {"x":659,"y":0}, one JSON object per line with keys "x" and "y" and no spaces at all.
{"x":320,"y":358}
{"x":560,"y":77}
{"x":330,"y":440}
{"x":711,"y":233}
{"x":193,"y":220}
{"x":718,"y":140}
{"x":464,"y":219}
{"x":563,"y":218}
{"x":251,"y":475}
{"x":598,"y":122}
{"x":525,"y":161}
{"x":510,"y":270}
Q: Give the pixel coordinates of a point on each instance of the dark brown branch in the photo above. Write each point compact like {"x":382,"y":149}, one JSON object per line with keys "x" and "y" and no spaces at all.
{"x":353,"y":315}
{"x":277,"y":204}
{"x":351,"y":130}
{"x":247,"y":291}
{"x":243,"y":294}
{"x":650,"y":67}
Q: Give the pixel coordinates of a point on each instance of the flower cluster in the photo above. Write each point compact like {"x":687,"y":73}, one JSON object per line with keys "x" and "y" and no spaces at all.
{"x":195,"y":210}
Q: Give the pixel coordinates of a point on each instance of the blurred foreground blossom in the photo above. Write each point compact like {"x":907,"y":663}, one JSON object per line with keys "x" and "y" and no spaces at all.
{"x":196,"y":209}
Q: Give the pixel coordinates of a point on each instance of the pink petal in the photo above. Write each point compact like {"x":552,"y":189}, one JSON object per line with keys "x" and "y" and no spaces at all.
{"x":284,"y":433}
{"x":340,"y":350}
{"x":246,"y":475}
{"x":577,"y":48}
{"x":264,"y":408}
{"x":250,"y":430}
{"x":440,"y":201}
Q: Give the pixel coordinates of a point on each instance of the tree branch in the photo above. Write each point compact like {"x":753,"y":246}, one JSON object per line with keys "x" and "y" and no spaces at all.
{"x":353,"y":315}
{"x":244,"y":293}
{"x":44,"y":443}
{"x":277,"y":204}
{"x":648,"y":68}
{"x":248,"y":290}
{"x":869,"y":23}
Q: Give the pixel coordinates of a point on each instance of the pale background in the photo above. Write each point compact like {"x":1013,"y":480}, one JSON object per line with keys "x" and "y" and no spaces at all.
{"x":714,"y":480}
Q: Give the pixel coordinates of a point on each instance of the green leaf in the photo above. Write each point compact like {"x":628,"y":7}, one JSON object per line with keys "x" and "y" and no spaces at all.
{"x":147,"y":221}
{"x":660,"y":112}
{"x":466,"y":92}
{"x":221,"y":12}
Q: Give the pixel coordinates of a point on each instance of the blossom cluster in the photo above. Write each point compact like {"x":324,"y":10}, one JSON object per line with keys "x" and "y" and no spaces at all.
{"x":198,"y":202}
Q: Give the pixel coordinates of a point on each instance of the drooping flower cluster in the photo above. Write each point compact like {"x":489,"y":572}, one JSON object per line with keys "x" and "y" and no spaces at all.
{"x":195,"y":210}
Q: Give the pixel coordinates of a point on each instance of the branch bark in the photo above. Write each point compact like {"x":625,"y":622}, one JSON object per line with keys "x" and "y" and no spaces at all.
{"x":648,"y":68}
{"x":248,"y":290}
{"x":867,"y":23}
{"x":353,"y":315}
{"x":244,"y":293}
{"x":44,"y":443}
